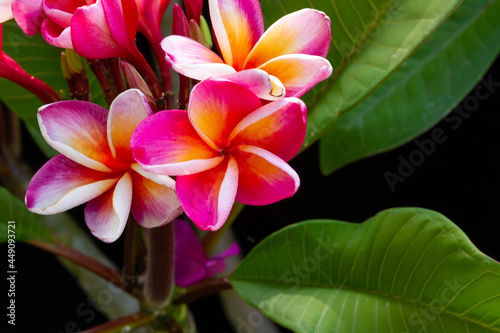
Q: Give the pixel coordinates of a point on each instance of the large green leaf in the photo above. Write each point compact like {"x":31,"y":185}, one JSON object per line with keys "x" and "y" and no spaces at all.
{"x":404,"y":270}
{"x":370,"y":39}
{"x":41,"y":60}
{"x":421,"y":92}
{"x":26,"y":225}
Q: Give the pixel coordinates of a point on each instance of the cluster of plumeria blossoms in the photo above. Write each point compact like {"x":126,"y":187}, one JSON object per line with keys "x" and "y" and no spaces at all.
{"x":229,"y":139}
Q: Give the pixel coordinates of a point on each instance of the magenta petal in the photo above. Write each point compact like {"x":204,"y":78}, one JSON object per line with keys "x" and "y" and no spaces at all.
{"x":217,"y":263}
{"x":166,"y":143}
{"x":28,"y":15}
{"x":207,"y":197}
{"x":278,"y":127}
{"x":91,"y":34}
{"x":55,"y":35}
{"x":62,"y":184}
{"x":107,"y":215}
{"x":190,"y":258}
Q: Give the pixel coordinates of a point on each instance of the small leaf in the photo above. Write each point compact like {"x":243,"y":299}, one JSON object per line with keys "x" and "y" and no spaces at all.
{"x":15,"y":219}
{"x":404,"y":270}
{"x":421,"y":92}
{"x":370,"y":40}
{"x":41,"y":60}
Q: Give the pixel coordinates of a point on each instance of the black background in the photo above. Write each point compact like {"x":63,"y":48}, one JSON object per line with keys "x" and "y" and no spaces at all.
{"x":460,"y":180}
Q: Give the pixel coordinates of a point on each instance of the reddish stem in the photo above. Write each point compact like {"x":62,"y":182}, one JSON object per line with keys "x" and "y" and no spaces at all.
{"x":82,"y":260}
{"x":133,"y":321}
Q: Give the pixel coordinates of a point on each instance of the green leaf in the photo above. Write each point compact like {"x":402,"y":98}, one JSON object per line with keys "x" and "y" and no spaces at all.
{"x":370,"y":40}
{"x":15,"y":219}
{"x":41,"y":60}
{"x":421,"y":92}
{"x":404,"y":270}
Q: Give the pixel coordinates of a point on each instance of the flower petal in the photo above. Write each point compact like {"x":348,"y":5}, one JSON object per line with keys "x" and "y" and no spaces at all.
{"x":306,"y":31}
{"x":5,"y":10}
{"x":91,"y":34}
{"x":62,"y":184}
{"x":298,"y":72}
{"x":216,"y":106}
{"x":217,"y":263}
{"x":158,"y":179}
{"x":153,"y":205}
{"x":238,"y":25}
{"x":127,"y":110}
{"x":259,"y":83}
{"x":28,"y":15}
{"x":55,"y":35}
{"x":107,"y":215}
{"x":77,"y":129}
{"x":190,"y":258}
{"x":166,"y":143}
{"x":264,"y":177}
{"x":279,"y":127}
{"x":207,"y":197}
{"x":191,"y":59}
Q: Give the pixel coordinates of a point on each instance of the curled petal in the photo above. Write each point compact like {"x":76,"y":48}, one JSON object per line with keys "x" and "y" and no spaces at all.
{"x":264,"y":177}
{"x":306,"y":31}
{"x":259,"y":83}
{"x":153,"y":205}
{"x":238,"y":25}
{"x":91,"y":34}
{"x":62,"y":184}
{"x":55,"y":35}
{"x":192,"y":59}
{"x":279,"y":127}
{"x":107,"y":215}
{"x":166,"y":143}
{"x":298,"y":72}
{"x":77,"y":129}
{"x":216,"y":106}
{"x":207,"y":197}
{"x":28,"y":15}
{"x":127,"y":110}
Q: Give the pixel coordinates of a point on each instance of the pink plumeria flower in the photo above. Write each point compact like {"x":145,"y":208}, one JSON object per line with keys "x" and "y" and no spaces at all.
{"x":96,"y":165}
{"x":5,"y":10}
{"x":191,"y":262}
{"x":96,"y":29}
{"x":292,"y":51}
{"x":12,"y":71}
{"x":227,"y":146}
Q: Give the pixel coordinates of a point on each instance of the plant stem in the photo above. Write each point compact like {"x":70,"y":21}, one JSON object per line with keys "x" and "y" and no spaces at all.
{"x":160,"y":267}
{"x":212,"y":237}
{"x":123,"y":324}
{"x":83,"y":260}
{"x":203,"y":289}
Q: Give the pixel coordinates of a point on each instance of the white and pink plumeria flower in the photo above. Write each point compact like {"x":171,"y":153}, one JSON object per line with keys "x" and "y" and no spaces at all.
{"x":96,"y":165}
{"x":227,"y":146}
{"x":292,"y":51}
